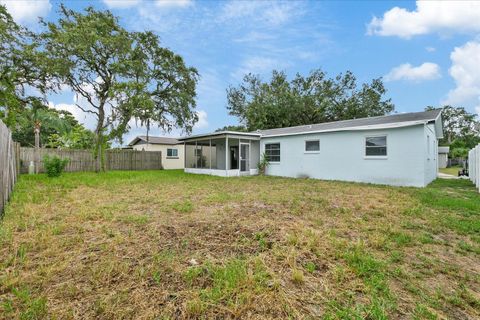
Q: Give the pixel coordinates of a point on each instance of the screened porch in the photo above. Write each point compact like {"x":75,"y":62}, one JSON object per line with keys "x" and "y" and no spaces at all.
{"x":223,"y":154}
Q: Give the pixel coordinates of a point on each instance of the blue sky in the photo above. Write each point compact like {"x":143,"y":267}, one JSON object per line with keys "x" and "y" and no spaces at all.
{"x":427,"y":52}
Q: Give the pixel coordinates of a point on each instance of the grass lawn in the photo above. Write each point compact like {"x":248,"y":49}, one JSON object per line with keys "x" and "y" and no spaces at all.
{"x":168,"y":245}
{"x":451,"y":170}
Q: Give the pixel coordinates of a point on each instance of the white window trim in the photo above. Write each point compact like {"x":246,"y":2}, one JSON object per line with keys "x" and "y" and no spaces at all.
{"x":280,"y":147}
{"x":365,"y":147}
{"x":172,"y":157}
{"x":305,"y":146}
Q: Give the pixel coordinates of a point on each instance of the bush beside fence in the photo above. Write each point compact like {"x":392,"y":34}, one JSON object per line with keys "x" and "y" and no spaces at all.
{"x":83,"y":160}
{"x":474,"y":166}
{"x":9,"y":165}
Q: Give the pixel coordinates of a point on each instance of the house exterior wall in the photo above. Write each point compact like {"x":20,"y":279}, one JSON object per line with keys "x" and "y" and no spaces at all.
{"x":431,"y":153}
{"x":254,"y":155}
{"x":192,"y":160}
{"x":220,"y":156}
{"x":442,"y":160}
{"x":167,"y":162}
{"x":342,"y":157}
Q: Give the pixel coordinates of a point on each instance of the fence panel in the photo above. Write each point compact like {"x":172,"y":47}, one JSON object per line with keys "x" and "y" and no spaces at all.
{"x":474,"y":166}
{"x":83,"y":160}
{"x":8,"y":165}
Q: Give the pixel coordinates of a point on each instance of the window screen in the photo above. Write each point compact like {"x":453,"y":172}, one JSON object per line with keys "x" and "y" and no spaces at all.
{"x":312,"y":145}
{"x":172,"y":153}
{"x":376,"y":146}
{"x":272,"y":152}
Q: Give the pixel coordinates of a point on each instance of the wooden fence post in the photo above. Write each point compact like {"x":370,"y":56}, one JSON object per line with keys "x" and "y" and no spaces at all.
{"x":8,"y":165}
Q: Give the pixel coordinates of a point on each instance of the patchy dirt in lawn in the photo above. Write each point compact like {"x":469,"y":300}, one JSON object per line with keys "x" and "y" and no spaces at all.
{"x":167,"y":245}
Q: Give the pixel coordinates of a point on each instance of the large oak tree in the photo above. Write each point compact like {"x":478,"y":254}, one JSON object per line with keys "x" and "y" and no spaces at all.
{"x":314,"y":98}
{"x":118,"y":75}
{"x":21,"y":70}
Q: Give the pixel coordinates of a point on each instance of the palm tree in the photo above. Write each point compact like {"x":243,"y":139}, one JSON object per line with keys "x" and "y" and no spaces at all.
{"x":41,"y":116}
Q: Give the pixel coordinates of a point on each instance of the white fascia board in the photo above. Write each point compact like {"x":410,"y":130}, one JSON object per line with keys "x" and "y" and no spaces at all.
{"x":220,"y":134}
{"x":439,"y":126}
{"x":134,"y":141}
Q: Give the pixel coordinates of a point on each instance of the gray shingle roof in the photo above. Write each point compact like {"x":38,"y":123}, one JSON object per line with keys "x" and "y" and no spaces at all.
{"x":155,"y":140}
{"x":339,"y":125}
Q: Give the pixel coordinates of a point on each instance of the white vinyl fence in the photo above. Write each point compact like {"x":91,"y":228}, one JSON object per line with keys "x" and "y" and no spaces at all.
{"x":474,"y":165}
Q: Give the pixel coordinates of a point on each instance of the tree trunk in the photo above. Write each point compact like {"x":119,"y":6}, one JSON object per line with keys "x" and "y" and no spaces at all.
{"x":148,"y":130}
{"x":36,"y":157}
{"x":99,"y":141}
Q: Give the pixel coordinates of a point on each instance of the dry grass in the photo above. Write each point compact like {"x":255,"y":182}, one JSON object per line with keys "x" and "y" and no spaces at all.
{"x":168,"y":245}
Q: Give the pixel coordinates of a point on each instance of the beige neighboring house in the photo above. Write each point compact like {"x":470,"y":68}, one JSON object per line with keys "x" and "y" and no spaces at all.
{"x":172,"y":149}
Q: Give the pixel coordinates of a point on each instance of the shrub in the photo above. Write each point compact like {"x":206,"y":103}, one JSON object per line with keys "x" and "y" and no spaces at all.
{"x":54,"y":165}
{"x":263,"y":164}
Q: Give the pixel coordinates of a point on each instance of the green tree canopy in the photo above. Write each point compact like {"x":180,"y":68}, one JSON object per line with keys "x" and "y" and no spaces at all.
{"x":118,"y":75}
{"x":459,"y":124}
{"x":20,"y":69}
{"x":305,"y":100}
{"x":76,"y":138}
{"x":42,"y":120}
{"x":461,"y":130}
{"x":238,"y":128}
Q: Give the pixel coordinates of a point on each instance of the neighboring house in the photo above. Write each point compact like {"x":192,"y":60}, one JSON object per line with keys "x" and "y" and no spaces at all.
{"x":443,"y":156}
{"x":172,"y":149}
{"x":399,"y":149}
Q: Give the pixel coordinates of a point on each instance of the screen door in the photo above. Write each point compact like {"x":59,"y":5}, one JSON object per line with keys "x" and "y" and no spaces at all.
{"x":244,"y":157}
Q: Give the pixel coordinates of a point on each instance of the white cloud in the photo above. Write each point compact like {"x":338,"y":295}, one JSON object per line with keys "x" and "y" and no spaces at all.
{"x":465,"y":71}
{"x":255,"y":36}
{"x":430,"y":49}
{"x":173,"y":3}
{"x":87,"y":119}
{"x":202,"y":120}
{"x":428,"y":17}
{"x":27,"y":11}
{"x":121,"y":4}
{"x":425,"y":71}
{"x":264,"y":12}
{"x":258,"y":65}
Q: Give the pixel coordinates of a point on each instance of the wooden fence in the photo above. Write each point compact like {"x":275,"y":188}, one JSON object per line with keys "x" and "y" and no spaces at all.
{"x":82,"y":160}
{"x":9,"y":165}
{"x":474,"y":165}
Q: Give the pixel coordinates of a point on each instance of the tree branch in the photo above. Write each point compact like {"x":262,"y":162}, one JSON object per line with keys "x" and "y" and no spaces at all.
{"x":86,"y":110}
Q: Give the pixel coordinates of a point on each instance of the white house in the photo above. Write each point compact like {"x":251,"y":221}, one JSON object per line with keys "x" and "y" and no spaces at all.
{"x":172,"y":149}
{"x":443,"y":156}
{"x":399,"y":149}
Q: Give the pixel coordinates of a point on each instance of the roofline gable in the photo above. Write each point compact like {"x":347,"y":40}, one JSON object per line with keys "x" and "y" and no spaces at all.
{"x":151,"y":140}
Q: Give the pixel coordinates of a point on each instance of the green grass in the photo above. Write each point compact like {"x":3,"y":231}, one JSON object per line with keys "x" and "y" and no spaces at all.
{"x":451,"y":170}
{"x":164,"y":244}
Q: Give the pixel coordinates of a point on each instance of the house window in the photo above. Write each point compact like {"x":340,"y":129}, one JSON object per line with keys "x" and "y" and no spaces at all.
{"x":172,"y":153}
{"x":376,"y":146}
{"x":312,"y":145}
{"x":272,"y":152}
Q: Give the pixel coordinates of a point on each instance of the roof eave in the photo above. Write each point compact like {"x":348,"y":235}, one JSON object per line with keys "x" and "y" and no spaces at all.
{"x":220,"y":133}
{"x":439,"y":119}
{"x":358,"y":128}
{"x":134,"y":141}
